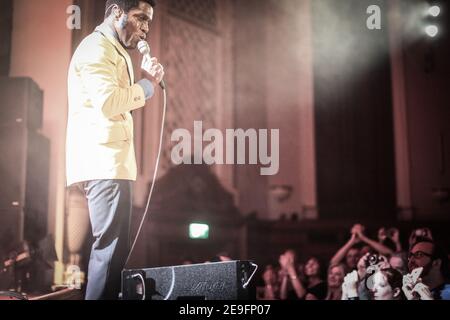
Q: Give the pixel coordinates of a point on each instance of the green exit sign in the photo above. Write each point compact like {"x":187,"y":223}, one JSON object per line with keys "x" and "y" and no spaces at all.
{"x":198,"y":231}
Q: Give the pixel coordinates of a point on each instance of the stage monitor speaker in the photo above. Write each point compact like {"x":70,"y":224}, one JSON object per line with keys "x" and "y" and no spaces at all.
{"x":21,"y":102}
{"x":11,"y":230}
{"x":24,"y":176}
{"x":210,"y":281}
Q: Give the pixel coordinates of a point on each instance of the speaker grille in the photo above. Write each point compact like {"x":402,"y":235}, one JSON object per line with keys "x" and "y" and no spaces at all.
{"x":210,"y":281}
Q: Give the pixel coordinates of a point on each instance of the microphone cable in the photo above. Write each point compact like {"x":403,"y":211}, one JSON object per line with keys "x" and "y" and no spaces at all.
{"x":158,"y":158}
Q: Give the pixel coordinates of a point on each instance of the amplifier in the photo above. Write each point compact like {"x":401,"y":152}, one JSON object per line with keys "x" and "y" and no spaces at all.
{"x":21,"y":102}
{"x":229,"y":280}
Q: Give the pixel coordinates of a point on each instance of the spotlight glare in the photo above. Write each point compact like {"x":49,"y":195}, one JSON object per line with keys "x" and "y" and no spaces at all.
{"x":434,"y":11}
{"x":432,"y":31}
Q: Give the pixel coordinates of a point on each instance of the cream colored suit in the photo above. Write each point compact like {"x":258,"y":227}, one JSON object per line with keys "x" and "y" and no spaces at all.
{"x":102,"y":93}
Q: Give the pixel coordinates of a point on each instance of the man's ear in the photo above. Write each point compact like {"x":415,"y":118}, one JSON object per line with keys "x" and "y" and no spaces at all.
{"x":117,"y":12}
{"x":437,"y":263}
{"x":397,"y":292}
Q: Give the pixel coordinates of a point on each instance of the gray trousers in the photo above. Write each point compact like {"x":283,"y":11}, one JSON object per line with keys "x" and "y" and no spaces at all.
{"x":110,"y":205}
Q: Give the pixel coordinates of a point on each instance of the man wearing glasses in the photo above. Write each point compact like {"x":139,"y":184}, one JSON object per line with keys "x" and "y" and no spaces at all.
{"x":434,"y":260}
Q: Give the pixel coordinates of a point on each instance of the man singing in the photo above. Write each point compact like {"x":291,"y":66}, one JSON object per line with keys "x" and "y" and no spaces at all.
{"x":100,"y":156}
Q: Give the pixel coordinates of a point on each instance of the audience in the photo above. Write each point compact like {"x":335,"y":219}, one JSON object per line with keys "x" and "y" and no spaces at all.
{"x":349,"y":254}
{"x":271,"y":284}
{"x":384,"y":284}
{"x":336,"y":274}
{"x":387,"y":285}
{"x":390,"y":238}
{"x":316,"y":286}
{"x":356,"y":247}
{"x":306,"y":285}
{"x":429,"y":255}
{"x":365,"y":269}
{"x":291,"y":285}
{"x":377,"y":246}
{"x":423,"y":233}
{"x":399,"y":261}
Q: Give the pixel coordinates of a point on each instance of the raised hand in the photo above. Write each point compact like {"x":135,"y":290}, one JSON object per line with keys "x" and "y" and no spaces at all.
{"x":354,"y":239}
{"x":361,"y":266}
{"x":384,"y":262}
{"x":152,"y":70}
{"x":283,"y":262}
{"x":358,"y":229}
{"x":423,"y":291}
{"x":409,"y":283}
{"x":382,"y":234}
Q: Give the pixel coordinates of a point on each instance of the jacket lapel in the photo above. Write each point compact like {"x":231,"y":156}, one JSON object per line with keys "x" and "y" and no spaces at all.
{"x":103,"y":30}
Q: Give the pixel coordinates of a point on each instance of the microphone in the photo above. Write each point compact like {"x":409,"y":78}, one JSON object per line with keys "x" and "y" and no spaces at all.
{"x":144,"y":49}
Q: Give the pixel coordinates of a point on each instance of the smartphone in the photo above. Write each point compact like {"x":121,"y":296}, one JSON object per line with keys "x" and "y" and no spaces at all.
{"x":415,"y":274}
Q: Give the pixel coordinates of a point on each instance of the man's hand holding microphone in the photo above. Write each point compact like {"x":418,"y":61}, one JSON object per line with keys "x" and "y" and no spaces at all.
{"x":151,"y":69}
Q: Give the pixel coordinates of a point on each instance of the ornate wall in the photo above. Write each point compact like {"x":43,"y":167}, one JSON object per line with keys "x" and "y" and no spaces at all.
{"x":192,"y":39}
{"x":191,"y":48}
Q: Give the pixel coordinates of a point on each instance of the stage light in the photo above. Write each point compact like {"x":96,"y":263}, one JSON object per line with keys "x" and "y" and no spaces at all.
{"x":432,"y":31}
{"x":434,"y":11}
{"x":198,"y":231}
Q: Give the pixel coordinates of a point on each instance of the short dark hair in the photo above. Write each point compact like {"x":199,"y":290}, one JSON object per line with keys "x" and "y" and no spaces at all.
{"x":394,"y":277}
{"x":125,"y":5}
{"x":322,"y":266}
{"x":395,"y":280}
